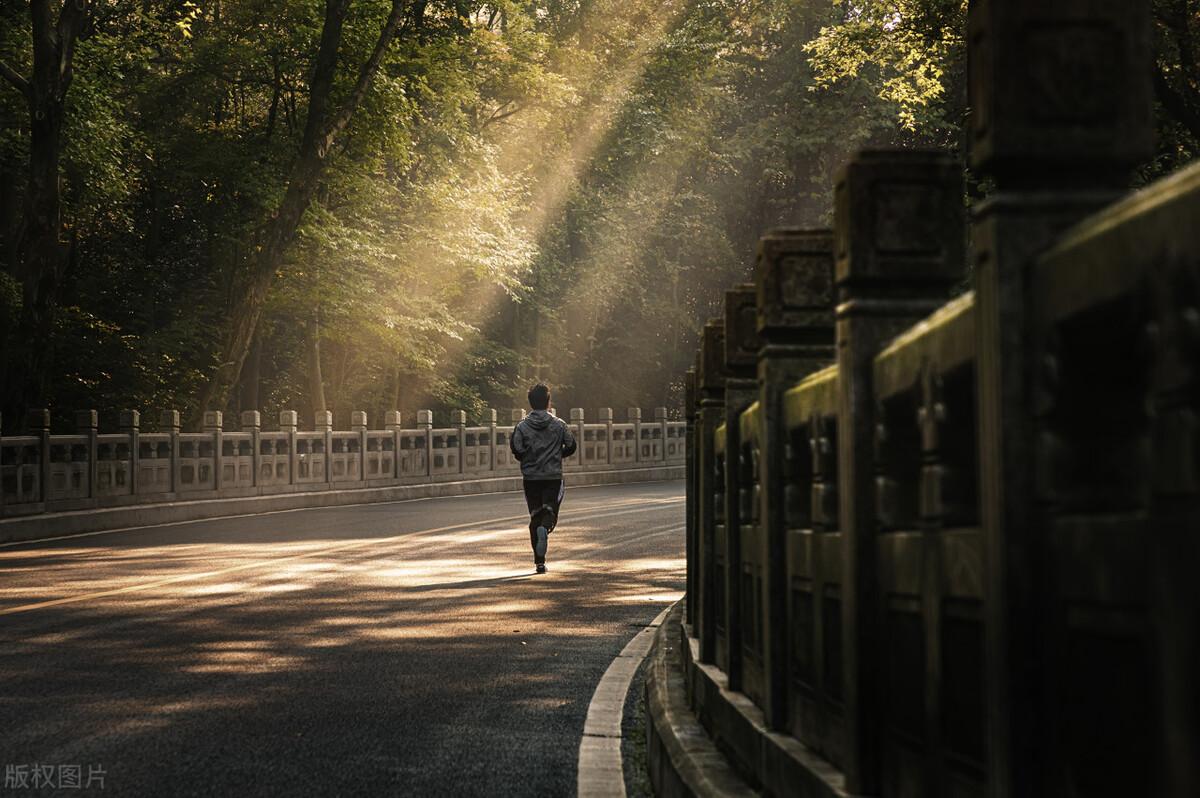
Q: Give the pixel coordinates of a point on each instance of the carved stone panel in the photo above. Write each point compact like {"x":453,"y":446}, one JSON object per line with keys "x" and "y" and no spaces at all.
{"x":1060,"y":88}
{"x":894,"y":211}
{"x":741,"y":324}
{"x":794,"y":280}
{"x":713,"y":373}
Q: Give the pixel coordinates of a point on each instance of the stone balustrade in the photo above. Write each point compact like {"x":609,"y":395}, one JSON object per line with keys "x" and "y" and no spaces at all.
{"x":949,"y":546}
{"x":41,"y":472}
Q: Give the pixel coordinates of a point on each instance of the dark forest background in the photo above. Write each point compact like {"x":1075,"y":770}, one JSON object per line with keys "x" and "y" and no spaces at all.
{"x":364,"y":204}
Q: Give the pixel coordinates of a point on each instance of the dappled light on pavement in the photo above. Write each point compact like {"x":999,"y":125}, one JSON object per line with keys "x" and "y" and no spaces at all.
{"x":337,"y":623}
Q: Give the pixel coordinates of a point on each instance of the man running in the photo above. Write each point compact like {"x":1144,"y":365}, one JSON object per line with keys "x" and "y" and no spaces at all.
{"x":540,"y":442}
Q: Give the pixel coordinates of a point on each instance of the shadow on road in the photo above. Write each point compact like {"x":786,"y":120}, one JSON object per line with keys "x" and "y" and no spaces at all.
{"x":429,"y":669}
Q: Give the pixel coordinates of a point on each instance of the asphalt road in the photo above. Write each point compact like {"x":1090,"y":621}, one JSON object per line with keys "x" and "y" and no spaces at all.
{"x":403,"y":649}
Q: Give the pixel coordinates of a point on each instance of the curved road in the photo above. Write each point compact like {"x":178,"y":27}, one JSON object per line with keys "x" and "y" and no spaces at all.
{"x":402,"y":648}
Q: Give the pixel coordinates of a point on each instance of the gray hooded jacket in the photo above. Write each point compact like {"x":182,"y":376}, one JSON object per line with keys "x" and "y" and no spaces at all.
{"x":540,"y":442}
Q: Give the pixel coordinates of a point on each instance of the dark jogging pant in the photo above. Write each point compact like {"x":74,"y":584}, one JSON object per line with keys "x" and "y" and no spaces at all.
{"x":540,"y":494}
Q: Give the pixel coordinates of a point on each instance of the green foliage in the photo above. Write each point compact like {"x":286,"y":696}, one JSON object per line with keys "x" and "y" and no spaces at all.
{"x":722,"y":132}
{"x":531,"y":188}
{"x":910,"y":51}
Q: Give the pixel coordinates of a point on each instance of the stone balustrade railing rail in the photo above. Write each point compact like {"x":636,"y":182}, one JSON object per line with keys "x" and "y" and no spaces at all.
{"x":42,"y":472}
{"x":948,"y":546}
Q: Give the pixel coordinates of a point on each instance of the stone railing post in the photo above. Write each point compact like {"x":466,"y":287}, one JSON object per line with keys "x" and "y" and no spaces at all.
{"x":633,"y":415}
{"x":130,"y":423}
{"x":577,"y":422}
{"x":741,"y":389}
{"x":252,"y":423}
{"x":517,"y":416}
{"x":660,"y":419}
{"x":1062,"y":111}
{"x":605,"y":416}
{"x":38,"y":423}
{"x":214,"y":425}
{"x":488,"y":419}
{"x":711,"y":390}
{"x":794,"y":281}
{"x":323,"y":423}
{"x":86,"y":423}
{"x":458,"y":418}
{"x":169,"y":423}
{"x":900,"y":244}
{"x":289,"y":422}
{"x":425,"y":422}
{"x":391,"y":423}
{"x":358,"y":423}
{"x":691,"y":492}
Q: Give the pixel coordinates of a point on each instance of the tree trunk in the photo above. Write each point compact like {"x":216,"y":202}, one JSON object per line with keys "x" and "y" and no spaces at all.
{"x":316,"y":383}
{"x":276,"y":92}
{"x":9,"y":225}
{"x":674,"y":361}
{"x":321,"y":131}
{"x":154,"y":233}
{"x":252,"y":377}
{"x":41,"y":257}
{"x":395,"y":387}
{"x":343,"y":369}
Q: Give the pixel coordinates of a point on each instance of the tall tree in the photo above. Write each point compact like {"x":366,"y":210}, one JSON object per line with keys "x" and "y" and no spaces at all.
{"x":324,"y":124}
{"x":40,"y":254}
{"x":1177,"y":73}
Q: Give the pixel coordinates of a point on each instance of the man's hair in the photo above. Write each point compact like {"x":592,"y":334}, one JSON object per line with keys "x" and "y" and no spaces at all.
{"x":539,"y":397}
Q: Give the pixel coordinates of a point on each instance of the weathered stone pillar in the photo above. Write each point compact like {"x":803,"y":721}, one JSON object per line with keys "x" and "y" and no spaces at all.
{"x":169,"y":422}
{"x":425,"y":422}
{"x":794,"y":281}
{"x":358,"y":423}
{"x":1062,"y":109}
{"x":489,"y":420}
{"x":741,"y":390}
{"x":252,"y":423}
{"x":691,"y":492}
{"x":130,"y":422}
{"x":289,"y":423}
{"x":578,"y":422}
{"x":515,"y":417}
{"x":37,"y":421}
{"x":323,"y":423}
{"x":633,"y":415}
{"x":213,"y":424}
{"x":900,"y":243}
{"x":605,"y":416}
{"x":711,"y":414}
{"x":391,"y":423}
{"x":660,"y":419}
{"x":458,"y":418}
{"x":87,"y":424}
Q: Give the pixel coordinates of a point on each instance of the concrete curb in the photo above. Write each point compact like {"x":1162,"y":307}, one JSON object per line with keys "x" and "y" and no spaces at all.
{"x":76,"y":522}
{"x":685,"y":760}
{"x":601,"y":773}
